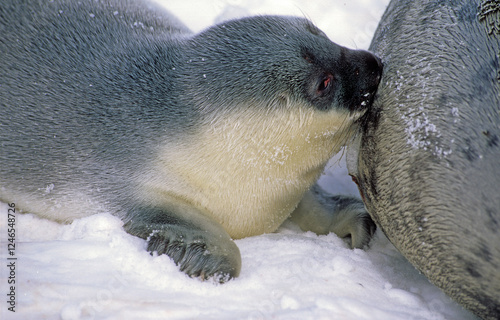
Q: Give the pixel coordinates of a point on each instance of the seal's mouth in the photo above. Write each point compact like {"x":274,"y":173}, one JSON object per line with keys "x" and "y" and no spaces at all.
{"x":367,"y":98}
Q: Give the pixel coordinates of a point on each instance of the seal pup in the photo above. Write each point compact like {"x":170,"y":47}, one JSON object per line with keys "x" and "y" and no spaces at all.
{"x":428,"y":164}
{"x":191,"y":139}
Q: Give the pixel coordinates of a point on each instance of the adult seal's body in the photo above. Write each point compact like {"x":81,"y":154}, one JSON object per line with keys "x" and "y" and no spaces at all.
{"x":192,"y":139}
{"x":429,"y":157}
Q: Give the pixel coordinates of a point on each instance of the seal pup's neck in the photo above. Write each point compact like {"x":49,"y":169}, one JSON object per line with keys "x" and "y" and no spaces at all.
{"x":250,"y":169}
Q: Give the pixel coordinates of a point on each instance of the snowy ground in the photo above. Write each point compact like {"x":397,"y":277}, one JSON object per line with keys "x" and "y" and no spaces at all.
{"x":92,"y":269}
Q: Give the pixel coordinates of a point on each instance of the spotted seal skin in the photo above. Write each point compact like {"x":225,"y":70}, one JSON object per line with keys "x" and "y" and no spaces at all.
{"x":193,"y":140}
{"x":428,"y":160}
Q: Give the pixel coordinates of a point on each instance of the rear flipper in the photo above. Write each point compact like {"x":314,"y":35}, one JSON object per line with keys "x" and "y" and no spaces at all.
{"x":345,"y":216}
{"x":199,"y":246}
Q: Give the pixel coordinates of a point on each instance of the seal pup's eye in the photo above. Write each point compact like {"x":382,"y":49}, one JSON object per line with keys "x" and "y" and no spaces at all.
{"x":325,"y":84}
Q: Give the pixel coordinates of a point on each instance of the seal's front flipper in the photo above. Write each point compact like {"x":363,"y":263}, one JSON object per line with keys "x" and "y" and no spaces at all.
{"x":345,"y":216}
{"x":199,"y":246}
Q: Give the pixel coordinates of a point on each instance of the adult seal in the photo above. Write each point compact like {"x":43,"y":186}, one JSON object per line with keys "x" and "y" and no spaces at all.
{"x":428,"y":164}
{"x":191,"y":139}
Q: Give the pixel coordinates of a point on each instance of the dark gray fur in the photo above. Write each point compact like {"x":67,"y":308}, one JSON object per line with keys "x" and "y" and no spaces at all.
{"x":90,"y":90}
{"x":429,"y":159}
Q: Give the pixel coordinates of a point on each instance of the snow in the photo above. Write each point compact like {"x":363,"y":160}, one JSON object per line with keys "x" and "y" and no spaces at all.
{"x":92,"y":269}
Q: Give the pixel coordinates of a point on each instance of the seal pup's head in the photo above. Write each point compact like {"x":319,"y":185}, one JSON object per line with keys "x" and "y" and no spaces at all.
{"x":276,"y":62}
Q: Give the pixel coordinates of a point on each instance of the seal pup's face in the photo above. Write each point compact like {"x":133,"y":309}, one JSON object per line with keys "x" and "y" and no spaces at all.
{"x":271,"y":59}
{"x":274,"y":100}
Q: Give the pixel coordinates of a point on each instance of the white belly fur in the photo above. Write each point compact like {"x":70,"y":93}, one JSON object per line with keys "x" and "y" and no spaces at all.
{"x":249,"y":171}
